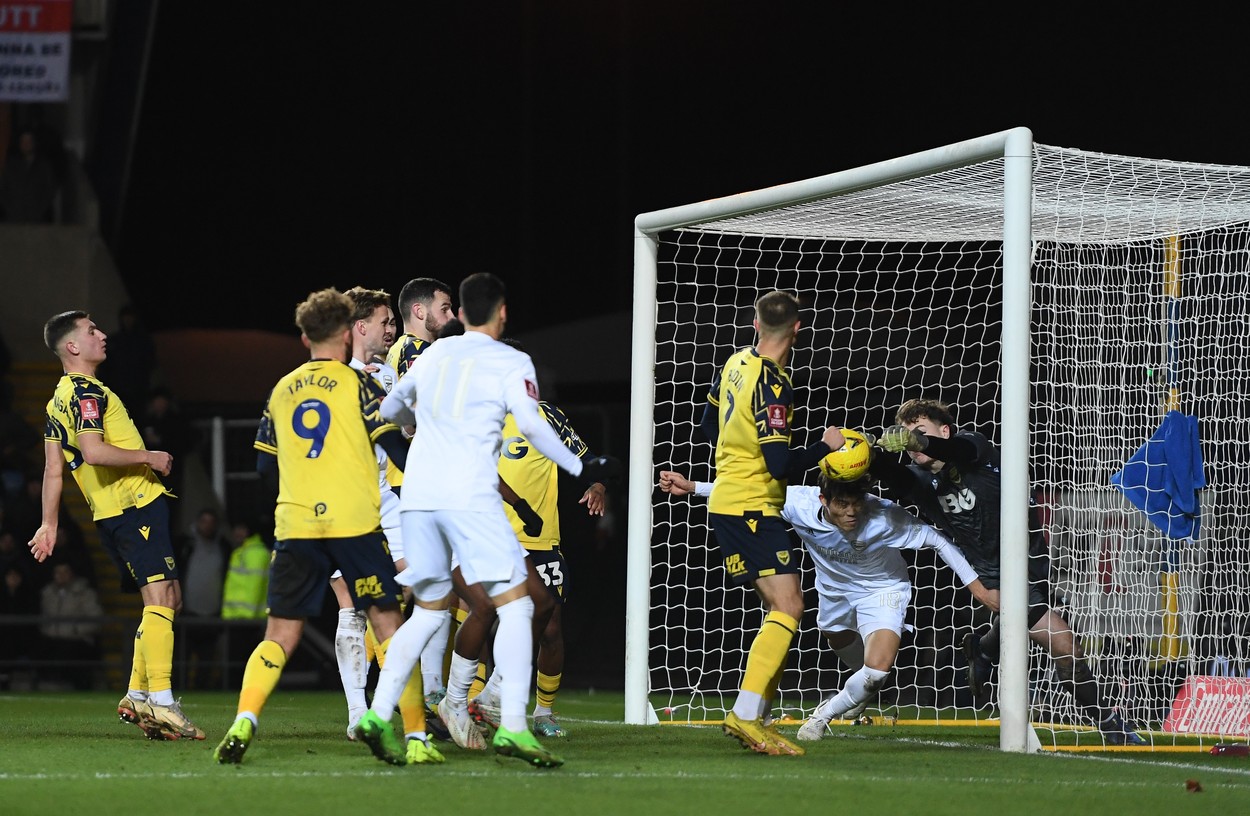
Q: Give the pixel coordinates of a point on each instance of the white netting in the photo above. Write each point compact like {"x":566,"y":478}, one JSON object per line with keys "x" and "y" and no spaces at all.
{"x":901,"y":287}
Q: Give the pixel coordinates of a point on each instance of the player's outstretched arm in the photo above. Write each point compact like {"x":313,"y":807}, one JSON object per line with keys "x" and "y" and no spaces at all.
{"x":44,"y":540}
{"x":532,"y":523}
{"x":987,"y":597}
{"x":675,"y":483}
{"x":595,"y":499}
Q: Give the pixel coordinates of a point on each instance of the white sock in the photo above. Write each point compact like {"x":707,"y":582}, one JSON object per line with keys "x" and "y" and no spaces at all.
{"x":514,"y":655}
{"x":490,"y":692}
{"x":433,"y":655}
{"x":859,"y":688}
{"x":162,"y":698}
{"x":749,"y":705}
{"x":401,"y":658}
{"x":349,"y":650}
{"x":459,"y":678}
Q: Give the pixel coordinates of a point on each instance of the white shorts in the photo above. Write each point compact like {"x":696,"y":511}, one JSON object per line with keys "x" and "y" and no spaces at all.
{"x":391,"y":524}
{"x":481,"y":543}
{"x":866,"y":613}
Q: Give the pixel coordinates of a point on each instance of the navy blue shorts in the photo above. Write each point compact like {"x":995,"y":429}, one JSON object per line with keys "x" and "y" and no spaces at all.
{"x":139,"y":543}
{"x":553,"y":569}
{"x":754,"y":546}
{"x":300,"y":574}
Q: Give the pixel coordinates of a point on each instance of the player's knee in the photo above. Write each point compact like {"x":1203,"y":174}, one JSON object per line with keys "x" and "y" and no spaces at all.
{"x":522,"y":606}
{"x":874,"y":679}
{"x":431,"y":591}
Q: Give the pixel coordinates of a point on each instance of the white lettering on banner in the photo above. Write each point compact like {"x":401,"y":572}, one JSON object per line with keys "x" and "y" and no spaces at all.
{"x":20,"y":17}
{"x":1211,"y":705}
{"x":35,"y":50}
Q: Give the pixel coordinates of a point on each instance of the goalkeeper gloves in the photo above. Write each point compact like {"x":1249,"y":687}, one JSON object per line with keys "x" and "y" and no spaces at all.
{"x":603,"y":469}
{"x":897,"y":439}
{"x":531,"y":522}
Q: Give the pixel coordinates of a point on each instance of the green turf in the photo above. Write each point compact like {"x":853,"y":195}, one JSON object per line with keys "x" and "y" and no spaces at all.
{"x":67,"y":752}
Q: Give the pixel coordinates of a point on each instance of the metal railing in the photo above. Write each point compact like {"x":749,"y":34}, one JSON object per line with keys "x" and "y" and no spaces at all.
{"x":209,"y":653}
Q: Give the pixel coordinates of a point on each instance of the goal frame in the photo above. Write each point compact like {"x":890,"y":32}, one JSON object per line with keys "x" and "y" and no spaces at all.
{"x":1015,"y":148}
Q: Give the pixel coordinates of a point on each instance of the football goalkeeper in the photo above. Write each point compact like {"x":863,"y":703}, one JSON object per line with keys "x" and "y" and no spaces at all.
{"x":854,"y":539}
{"x":954,"y":480}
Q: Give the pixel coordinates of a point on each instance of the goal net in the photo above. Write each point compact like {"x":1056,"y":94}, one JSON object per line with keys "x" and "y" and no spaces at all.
{"x":1138,"y":301}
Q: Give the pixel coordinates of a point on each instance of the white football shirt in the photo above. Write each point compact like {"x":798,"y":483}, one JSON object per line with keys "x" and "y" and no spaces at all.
{"x":869,"y":559}
{"x":458,"y":394}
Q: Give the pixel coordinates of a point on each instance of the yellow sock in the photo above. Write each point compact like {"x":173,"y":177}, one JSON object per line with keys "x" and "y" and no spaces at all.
{"x":479,"y":681}
{"x":156,"y":639}
{"x":548,"y":686}
{"x":371,"y":644}
{"x":138,"y":666}
{"x":412,"y":702}
{"x":768,"y":652}
{"x":261,"y":675}
{"x":770,"y":693}
{"x":457,"y":617}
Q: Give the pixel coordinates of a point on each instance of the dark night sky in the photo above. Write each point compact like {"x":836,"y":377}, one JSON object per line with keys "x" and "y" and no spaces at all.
{"x":280,"y":151}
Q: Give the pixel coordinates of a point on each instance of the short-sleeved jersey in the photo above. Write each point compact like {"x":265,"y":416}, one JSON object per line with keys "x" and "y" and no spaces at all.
{"x":868,"y":560}
{"x":322,"y":421}
{"x":962,"y":499}
{"x":534,"y":477}
{"x":753,"y":399}
{"x":460,"y":391}
{"x":84,"y":405}
{"x":404,"y":352}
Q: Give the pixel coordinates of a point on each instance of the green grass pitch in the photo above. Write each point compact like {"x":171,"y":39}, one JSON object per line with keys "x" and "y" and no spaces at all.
{"x":67,"y":753}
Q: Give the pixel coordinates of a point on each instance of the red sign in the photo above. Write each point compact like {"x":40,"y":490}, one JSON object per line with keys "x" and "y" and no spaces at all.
{"x":1211,"y":705}
{"x":34,"y":49}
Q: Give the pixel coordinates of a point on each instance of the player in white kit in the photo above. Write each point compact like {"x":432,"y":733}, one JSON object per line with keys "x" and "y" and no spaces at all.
{"x":854,"y":539}
{"x":458,"y":394}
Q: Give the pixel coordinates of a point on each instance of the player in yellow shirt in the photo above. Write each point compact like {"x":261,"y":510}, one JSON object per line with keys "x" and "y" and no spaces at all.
{"x":89,"y":429}
{"x":317,"y":436}
{"x":536,"y":477}
{"x":747,"y":419}
{"x":425,"y":307}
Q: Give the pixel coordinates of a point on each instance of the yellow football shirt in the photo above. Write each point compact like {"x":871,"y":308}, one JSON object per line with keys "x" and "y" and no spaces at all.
{"x":82,"y":405}
{"x":534,"y":477}
{"x":404,"y":352}
{"x":321,"y":421}
{"x":753,"y":399}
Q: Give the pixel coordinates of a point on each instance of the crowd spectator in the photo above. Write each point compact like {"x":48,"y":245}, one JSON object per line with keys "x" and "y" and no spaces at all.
{"x":244,"y":593}
{"x":28,"y":183}
{"x":202,"y":557}
{"x":19,"y":445}
{"x":70,"y":613}
{"x":164,"y":427}
{"x":17,"y":597}
{"x":131,"y":360}
{"x":23,"y":515}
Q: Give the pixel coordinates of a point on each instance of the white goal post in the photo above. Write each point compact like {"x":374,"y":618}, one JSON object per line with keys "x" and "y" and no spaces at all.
{"x":923,"y":276}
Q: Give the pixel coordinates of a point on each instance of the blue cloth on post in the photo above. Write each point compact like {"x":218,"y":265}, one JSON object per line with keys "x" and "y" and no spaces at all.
{"x":1163,"y":477}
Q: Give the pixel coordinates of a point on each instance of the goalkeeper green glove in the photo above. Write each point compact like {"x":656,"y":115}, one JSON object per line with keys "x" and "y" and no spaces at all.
{"x":531,"y":522}
{"x":897,"y":439}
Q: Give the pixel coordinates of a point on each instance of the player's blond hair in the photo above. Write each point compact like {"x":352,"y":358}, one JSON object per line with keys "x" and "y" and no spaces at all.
{"x":323,"y":314}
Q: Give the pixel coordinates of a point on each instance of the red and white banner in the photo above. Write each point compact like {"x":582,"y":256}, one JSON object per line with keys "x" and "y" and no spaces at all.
{"x":34,"y":50}
{"x":1211,"y":705}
